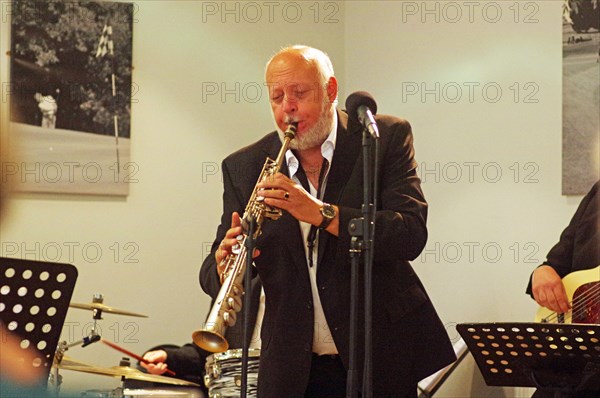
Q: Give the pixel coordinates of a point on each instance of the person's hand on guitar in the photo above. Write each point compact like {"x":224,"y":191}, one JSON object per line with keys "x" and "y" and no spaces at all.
{"x":548,"y":290}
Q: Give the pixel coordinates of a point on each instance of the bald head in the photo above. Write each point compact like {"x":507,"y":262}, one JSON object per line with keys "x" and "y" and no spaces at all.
{"x":303,"y":56}
{"x":302,"y":90}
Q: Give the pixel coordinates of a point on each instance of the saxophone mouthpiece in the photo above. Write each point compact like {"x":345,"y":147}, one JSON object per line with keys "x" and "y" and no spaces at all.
{"x":291,"y":130}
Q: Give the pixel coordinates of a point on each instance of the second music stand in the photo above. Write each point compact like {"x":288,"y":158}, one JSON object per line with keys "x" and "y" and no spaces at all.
{"x":556,"y":358}
{"x":34,"y":299}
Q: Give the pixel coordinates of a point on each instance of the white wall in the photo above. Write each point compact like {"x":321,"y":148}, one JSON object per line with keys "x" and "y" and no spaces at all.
{"x":179,"y":136}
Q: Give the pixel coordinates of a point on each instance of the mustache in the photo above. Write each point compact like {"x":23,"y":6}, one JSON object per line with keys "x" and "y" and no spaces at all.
{"x":290,"y":119}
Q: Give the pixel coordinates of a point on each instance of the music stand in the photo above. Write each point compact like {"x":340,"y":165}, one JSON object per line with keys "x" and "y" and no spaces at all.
{"x":429,"y":385}
{"x":556,"y":358}
{"x":34,"y":299}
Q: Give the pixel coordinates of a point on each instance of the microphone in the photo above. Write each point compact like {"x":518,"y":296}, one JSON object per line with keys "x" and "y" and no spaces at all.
{"x":362,"y":105}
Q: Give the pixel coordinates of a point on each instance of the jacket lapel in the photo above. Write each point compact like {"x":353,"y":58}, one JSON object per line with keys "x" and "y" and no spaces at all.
{"x":287,"y":222}
{"x":347,"y":149}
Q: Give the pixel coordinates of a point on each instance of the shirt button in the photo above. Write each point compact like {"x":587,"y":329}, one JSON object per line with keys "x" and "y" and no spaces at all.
{"x":309,"y":305}
{"x":323,"y":287}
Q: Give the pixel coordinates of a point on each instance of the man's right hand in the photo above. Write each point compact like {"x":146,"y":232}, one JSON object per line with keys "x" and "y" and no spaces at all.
{"x":157,"y":359}
{"x":230,"y":241}
{"x":549,"y":290}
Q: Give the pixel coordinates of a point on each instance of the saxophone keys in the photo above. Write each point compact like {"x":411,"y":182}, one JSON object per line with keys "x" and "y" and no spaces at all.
{"x":234,"y":303}
{"x":229,"y":318}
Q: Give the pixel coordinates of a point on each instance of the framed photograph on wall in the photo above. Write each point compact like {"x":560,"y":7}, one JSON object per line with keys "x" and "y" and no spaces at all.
{"x":70,"y":97}
{"x":581,"y":95}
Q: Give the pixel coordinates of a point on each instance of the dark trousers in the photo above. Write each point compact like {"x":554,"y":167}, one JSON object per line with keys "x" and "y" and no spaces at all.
{"x":327,"y":377}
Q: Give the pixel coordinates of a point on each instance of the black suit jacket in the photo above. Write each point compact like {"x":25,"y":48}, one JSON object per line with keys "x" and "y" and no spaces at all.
{"x":409,"y":339}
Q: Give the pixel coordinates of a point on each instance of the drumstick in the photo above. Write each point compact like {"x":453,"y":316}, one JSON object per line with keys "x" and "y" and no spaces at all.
{"x":131,"y":354}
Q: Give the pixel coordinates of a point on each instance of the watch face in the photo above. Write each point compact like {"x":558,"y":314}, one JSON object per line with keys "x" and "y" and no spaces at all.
{"x":328,"y":211}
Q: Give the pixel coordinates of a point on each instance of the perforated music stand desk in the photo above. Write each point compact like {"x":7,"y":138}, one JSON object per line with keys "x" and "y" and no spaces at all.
{"x":558,"y":358}
{"x":34,"y":299}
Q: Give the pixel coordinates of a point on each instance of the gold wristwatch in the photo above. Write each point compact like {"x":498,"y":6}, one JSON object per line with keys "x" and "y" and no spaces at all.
{"x":328,"y":212}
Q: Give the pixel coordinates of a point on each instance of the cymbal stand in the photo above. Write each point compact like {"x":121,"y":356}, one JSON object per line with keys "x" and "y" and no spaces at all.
{"x":96,"y":316}
{"x":55,"y":378}
{"x":119,"y":391}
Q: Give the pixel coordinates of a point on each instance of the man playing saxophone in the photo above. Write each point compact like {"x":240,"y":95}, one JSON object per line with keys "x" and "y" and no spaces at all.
{"x":303,"y":259}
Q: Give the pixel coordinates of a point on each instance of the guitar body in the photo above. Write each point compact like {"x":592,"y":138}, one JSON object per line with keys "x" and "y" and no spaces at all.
{"x":583,"y":291}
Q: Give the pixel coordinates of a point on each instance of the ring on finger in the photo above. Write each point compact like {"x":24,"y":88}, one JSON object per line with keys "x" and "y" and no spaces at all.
{"x":286,"y":195}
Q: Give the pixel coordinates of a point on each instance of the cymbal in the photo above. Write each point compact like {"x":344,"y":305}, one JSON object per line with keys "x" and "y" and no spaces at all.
{"x":105,"y":308}
{"x":126,"y":372}
{"x":68,"y":361}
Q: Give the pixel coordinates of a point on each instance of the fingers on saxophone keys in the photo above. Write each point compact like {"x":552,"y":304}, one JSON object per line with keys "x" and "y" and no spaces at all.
{"x":234,"y":303}
{"x":229,"y":317}
{"x":279,"y":194}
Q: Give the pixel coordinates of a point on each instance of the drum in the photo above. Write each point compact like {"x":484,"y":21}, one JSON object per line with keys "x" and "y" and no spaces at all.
{"x":224,"y":373}
{"x":97,"y":393}
{"x":164,"y":392}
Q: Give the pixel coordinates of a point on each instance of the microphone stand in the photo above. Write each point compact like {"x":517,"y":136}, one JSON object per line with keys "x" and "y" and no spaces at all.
{"x":363,"y":227}
{"x":250,"y":244}
{"x":356,"y":246}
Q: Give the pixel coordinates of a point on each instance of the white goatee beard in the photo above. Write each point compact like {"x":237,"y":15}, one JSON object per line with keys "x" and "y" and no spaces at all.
{"x":316,"y":135}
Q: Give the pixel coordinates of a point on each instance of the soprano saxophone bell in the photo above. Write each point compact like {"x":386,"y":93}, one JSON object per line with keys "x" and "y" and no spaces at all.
{"x":228,"y":302}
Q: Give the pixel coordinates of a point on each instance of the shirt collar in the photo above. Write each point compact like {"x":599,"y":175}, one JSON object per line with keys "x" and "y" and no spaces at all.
{"x":327,"y":148}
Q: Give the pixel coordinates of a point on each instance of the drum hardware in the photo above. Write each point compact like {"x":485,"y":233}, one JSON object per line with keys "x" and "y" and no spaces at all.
{"x":223,"y":373}
{"x":98,"y":307}
{"x":123,"y":371}
{"x":181,"y":388}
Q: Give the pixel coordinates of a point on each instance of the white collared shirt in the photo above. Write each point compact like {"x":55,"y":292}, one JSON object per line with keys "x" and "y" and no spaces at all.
{"x":322,"y":340}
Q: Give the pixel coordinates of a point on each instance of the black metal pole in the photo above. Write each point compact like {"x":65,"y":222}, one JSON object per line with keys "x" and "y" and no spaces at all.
{"x":367,"y":248}
{"x":355,"y":229}
{"x":250,"y":244}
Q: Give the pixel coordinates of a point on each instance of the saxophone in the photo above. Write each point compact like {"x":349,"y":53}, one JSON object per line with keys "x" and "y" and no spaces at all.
{"x":229,"y":302}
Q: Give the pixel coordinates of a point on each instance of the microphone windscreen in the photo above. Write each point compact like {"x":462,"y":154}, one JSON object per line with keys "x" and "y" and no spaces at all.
{"x":357,"y":99}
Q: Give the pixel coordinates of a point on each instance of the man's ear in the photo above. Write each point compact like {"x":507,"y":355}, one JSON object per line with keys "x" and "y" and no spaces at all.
{"x":332,"y":89}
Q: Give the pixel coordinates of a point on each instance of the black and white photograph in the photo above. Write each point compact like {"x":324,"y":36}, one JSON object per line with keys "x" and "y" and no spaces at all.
{"x":581,"y":95}
{"x":70,"y":103}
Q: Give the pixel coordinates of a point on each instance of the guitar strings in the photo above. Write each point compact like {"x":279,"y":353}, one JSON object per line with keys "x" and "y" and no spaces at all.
{"x":594,"y":292}
{"x":579,"y":303}
{"x":582,"y":302}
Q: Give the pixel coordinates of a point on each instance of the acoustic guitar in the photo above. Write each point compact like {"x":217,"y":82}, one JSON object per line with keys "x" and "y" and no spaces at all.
{"x":583,"y":292}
